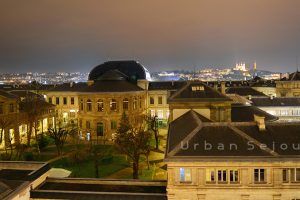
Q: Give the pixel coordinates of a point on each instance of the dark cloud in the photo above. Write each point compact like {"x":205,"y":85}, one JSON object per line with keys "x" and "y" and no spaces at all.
{"x":75,"y":35}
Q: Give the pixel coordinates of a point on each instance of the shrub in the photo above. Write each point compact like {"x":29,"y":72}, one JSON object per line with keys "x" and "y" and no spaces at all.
{"x":5,"y":156}
{"x":28,"y":156}
{"x":44,"y":141}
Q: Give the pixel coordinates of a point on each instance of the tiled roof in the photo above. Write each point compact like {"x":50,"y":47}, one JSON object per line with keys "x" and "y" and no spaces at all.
{"x":276,"y":101}
{"x":166,"y":85}
{"x":197,"y":92}
{"x":198,"y":133}
{"x":244,"y":91}
{"x":245,"y":113}
{"x":7,"y":95}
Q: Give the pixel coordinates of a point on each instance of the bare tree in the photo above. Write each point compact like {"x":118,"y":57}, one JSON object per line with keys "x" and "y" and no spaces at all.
{"x":153,"y":126}
{"x":132,"y":141}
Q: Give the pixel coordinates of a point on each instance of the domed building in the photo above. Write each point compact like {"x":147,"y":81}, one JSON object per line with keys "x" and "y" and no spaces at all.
{"x":132,"y":69}
{"x":97,"y":105}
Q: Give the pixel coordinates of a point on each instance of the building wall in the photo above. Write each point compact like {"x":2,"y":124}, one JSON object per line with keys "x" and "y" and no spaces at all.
{"x":288,"y":88}
{"x":284,"y":113}
{"x":269,"y":91}
{"x":157,"y":104}
{"x":245,"y":188}
{"x":66,"y":112}
{"x":109,"y":118}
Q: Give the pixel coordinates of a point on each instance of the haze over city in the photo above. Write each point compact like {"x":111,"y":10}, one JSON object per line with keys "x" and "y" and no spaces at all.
{"x":73,"y":35}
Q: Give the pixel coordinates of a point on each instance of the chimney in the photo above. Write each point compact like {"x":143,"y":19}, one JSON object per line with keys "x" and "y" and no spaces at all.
{"x":71,"y":84}
{"x":216,"y":85}
{"x":90,"y":82}
{"x":260,"y":121}
{"x":223,"y":87}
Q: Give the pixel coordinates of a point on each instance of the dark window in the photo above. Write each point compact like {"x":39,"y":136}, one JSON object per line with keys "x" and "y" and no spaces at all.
{"x":160,"y":100}
{"x":50,"y":100}
{"x":72,"y":101}
{"x":125,"y":104}
{"x":151,"y":100}
{"x":88,"y":125}
{"x":65,"y":101}
{"x":1,"y":109}
{"x":57,"y":100}
{"x":100,"y":129}
{"x":259,"y":175}
{"x":11,"y":107}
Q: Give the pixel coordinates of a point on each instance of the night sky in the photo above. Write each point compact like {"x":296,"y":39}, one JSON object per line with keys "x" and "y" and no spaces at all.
{"x":75,"y":35}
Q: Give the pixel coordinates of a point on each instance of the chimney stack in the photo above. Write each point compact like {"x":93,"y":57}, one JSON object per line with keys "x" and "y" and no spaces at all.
{"x":223,"y":87}
{"x":260,"y":121}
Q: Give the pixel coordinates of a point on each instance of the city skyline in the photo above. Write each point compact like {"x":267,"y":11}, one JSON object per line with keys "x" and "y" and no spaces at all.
{"x":50,"y":36}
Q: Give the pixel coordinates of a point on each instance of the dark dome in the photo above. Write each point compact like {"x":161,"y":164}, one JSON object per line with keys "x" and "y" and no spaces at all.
{"x":113,"y":75}
{"x":132,"y":69}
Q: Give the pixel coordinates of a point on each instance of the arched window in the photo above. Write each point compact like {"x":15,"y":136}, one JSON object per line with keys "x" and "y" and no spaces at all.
{"x":113,"y":105}
{"x":100,"y":129}
{"x":125,"y":104}
{"x":89,"y":105}
{"x":100,"y":105}
{"x":134,"y":103}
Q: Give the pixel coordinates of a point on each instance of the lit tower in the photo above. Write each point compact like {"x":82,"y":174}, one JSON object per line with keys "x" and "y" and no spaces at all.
{"x":254,"y":69}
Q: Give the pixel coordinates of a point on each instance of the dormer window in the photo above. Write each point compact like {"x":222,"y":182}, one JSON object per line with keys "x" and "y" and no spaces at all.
{"x":198,"y":88}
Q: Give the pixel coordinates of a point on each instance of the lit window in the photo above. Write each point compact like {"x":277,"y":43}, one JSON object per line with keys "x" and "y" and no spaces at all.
{"x":134,"y":103}
{"x":100,"y":105}
{"x":152,"y":113}
{"x":185,"y":175}
{"x":210,"y":175}
{"x":113,"y":105}
{"x":285,"y":175}
{"x":160,"y":114}
{"x":89,"y":105}
{"x":259,"y":175}
{"x":198,"y":88}
{"x":125,"y":104}
{"x":295,"y":174}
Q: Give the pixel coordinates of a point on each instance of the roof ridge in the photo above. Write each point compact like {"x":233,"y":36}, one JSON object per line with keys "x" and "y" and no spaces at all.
{"x":189,"y":136}
{"x":180,"y":90}
{"x":249,"y":138}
